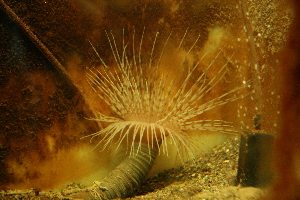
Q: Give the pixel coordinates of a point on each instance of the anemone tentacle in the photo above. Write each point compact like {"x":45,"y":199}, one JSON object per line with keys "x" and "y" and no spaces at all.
{"x":146,"y":105}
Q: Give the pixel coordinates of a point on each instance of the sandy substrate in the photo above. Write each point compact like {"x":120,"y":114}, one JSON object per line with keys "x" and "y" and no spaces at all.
{"x":210,"y":176}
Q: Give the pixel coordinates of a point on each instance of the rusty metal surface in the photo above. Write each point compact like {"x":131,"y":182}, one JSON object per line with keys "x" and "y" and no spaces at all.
{"x":41,"y":113}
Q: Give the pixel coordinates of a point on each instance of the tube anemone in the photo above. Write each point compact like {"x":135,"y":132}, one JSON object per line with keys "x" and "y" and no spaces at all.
{"x":148,"y":105}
